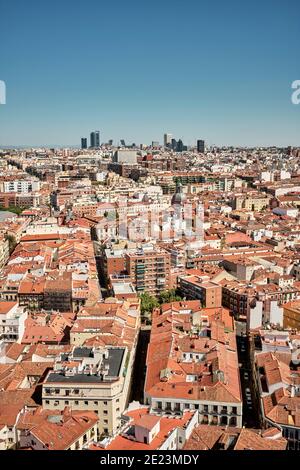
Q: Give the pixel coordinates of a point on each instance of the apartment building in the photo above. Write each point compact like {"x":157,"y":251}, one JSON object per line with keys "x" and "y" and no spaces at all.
{"x":291,"y":314}
{"x":112,"y":321}
{"x":277,"y":381}
{"x":143,"y":430}
{"x":19,"y":199}
{"x":91,"y":379}
{"x":20,"y":186}
{"x":112,"y":262}
{"x":58,"y":293}
{"x":12,"y":321}
{"x":197,"y":287}
{"x":206,"y":437}
{"x":192,"y":364}
{"x":240,"y":296}
{"x":39,"y":429}
{"x":149,"y":271}
{"x":252,"y":202}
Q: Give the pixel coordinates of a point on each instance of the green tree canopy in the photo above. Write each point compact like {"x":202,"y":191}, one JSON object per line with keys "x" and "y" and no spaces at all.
{"x":12,"y":242}
{"x":167,"y":296}
{"x":148,"y":303}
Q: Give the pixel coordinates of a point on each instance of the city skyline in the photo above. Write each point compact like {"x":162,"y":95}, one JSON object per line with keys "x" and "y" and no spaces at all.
{"x":227,"y":78}
{"x":149,"y":229}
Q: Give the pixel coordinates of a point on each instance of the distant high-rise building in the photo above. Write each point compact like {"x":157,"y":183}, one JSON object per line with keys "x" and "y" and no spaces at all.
{"x":84,"y":143}
{"x":92,"y":139}
{"x":123,"y":143}
{"x":95,"y":139}
{"x":155,"y":143}
{"x":200,"y":146}
{"x":167,"y":140}
{"x":110,"y":142}
{"x":173,"y":144}
{"x":179,"y":147}
{"x":125,"y":156}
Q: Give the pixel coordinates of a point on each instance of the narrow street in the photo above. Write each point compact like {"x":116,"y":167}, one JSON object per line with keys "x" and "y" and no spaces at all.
{"x":250,"y":410}
{"x":139,"y":369}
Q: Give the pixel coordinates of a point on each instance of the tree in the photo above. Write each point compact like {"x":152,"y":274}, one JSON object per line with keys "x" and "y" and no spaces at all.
{"x":15,"y":209}
{"x":167,"y":296}
{"x":148,"y":303}
{"x":12,"y":242}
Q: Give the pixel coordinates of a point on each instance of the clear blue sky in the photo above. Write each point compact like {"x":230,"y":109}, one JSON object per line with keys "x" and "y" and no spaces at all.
{"x":219,"y":70}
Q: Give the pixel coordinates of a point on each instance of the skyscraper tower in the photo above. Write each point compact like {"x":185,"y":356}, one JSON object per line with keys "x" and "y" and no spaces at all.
{"x":95,"y":139}
{"x":200,"y":146}
{"x":167,"y":140}
{"x":179,"y":147}
{"x":173,"y":144}
{"x":84,"y":143}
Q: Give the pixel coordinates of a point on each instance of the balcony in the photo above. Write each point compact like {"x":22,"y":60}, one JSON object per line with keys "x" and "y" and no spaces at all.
{"x":167,"y":412}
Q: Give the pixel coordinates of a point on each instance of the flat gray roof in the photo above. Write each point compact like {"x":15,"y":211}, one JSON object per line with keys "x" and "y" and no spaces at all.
{"x":114,"y":361}
{"x":123,"y":288}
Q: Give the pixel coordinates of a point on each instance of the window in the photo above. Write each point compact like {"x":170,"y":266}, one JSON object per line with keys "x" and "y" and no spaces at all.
{"x":105,"y":421}
{"x":105,"y":430}
{"x":86,"y":402}
{"x":105,"y":412}
{"x":47,"y":402}
{"x":76,"y":402}
{"x":95,"y":403}
{"x":66,"y":402}
{"x":118,"y":409}
{"x":105,"y":403}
